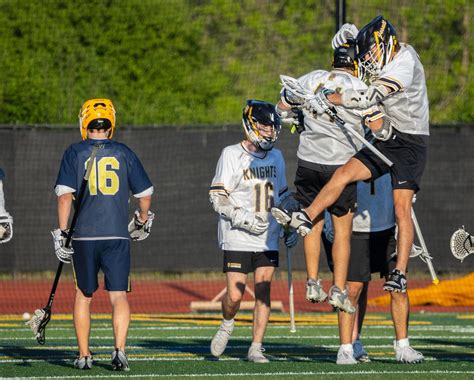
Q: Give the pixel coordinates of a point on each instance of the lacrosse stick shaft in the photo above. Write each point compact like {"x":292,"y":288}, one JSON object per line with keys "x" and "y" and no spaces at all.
{"x":291,"y":300}
{"x":372,"y":148}
{"x":427,"y":257}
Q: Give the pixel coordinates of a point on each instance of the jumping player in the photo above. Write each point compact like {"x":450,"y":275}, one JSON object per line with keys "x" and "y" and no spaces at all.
{"x":249,"y":180}
{"x":324,"y":147}
{"x":6,"y":220}
{"x":101,"y":236}
{"x":398,"y":85}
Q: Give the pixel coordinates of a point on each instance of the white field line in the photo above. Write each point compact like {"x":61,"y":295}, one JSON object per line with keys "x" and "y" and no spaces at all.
{"x":269,"y":337}
{"x":308,"y":358}
{"x":450,"y":328}
{"x":193,"y":348}
{"x":252,"y":374}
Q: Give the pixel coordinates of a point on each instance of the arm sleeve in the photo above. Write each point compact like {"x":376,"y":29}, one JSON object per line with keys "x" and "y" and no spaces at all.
{"x":140,"y":184}
{"x":67,"y":176}
{"x":223,"y":182}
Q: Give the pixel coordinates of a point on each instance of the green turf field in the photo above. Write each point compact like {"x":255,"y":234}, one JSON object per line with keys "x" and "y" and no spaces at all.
{"x":177,"y":347}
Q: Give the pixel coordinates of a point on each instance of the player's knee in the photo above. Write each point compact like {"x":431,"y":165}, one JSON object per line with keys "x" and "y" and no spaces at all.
{"x":117,"y":296}
{"x":234,"y":297}
{"x":354,"y":289}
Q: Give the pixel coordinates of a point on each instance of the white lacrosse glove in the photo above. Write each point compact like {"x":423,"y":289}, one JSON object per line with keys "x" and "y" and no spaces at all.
{"x":248,"y":221}
{"x":139,"y":230}
{"x":63,"y":253}
{"x":35,"y":321}
{"x":290,"y":237}
{"x":319,"y":104}
{"x":6,"y":228}
{"x":346,"y":31}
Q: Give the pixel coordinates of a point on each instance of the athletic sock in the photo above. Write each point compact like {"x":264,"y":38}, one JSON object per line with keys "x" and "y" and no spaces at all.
{"x":403,"y":343}
{"x":228,"y":322}
{"x":256,"y":346}
{"x":347,"y":347}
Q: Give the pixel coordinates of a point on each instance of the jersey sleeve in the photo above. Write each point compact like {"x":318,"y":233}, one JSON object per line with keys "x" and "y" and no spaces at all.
{"x":400,"y":75}
{"x":67,"y":176}
{"x":2,"y":174}
{"x":138,"y":180}
{"x":314,"y":80}
{"x":223,"y":183}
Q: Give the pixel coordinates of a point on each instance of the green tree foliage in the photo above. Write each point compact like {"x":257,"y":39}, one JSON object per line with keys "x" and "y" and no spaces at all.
{"x":177,"y":62}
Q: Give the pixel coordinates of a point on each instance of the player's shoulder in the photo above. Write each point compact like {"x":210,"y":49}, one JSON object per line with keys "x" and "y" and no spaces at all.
{"x":276,"y":153}
{"x":233,"y":150}
{"x":406,"y":57}
{"x":314,"y":79}
{"x":342,"y":80}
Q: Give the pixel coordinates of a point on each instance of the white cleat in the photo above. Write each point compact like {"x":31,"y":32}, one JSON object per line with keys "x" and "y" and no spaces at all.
{"x":299,"y":220}
{"x":315,"y":292}
{"x":219,"y":342}
{"x":340,"y":300}
{"x":345,"y":357}
{"x":360,"y":354}
{"x":256,"y":355}
{"x":407,"y":354}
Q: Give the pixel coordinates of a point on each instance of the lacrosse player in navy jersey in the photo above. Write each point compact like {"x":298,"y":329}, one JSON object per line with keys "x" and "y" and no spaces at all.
{"x":6,"y":220}
{"x":249,"y":180}
{"x":101,"y":237}
{"x":397,"y":84}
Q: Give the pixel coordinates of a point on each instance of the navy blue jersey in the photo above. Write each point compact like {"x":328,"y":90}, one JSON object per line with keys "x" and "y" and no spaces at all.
{"x":2,"y":174}
{"x":115,"y":174}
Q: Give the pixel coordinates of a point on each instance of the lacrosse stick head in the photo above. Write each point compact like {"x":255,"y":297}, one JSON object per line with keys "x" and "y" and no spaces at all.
{"x":38,"y":322}
{"x":461,"y":244}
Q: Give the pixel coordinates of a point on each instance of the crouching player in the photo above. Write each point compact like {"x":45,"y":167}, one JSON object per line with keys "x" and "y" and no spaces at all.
{"x":249,"y":179}
{"x":372,"y":250}
{"x":6,"y":221}
{"x":101,"y":235}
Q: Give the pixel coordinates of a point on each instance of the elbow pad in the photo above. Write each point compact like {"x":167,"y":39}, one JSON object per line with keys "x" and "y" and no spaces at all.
{"x":364,"y":99}
{"x":222,"y":205}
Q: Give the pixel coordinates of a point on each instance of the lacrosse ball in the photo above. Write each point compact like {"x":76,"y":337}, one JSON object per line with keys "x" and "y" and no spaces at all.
{"x":26,"y":316}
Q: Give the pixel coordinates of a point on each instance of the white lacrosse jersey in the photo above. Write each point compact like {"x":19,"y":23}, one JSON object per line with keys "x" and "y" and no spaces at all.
{"x":408,"y":104}
{"x":254,"y":184}
{"x":323,"y":142}
{"x":375,"y":210}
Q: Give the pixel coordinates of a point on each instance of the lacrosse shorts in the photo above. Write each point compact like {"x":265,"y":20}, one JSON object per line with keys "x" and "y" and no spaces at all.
{"x":246,"y":262}
{"x":371,"y":252}
{"x":407,"y":152}
{"x":310,"y":179}
{"x":110,"y":256}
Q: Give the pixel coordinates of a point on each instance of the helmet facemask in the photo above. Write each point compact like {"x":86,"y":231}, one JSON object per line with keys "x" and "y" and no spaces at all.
{"x":376,"y":43}
{"x":261,"y":124}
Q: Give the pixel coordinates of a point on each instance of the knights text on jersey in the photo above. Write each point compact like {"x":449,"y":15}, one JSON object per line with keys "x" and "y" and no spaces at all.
{"x":254,"y":184}
{"x":408,"y":104}
{"x":116,"y":172}
{"x":322,"y":141}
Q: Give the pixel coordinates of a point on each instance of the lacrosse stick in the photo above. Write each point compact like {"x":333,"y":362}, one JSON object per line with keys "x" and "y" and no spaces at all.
{"x":292,"y":85}
{"x":422,"y":252}
{"x":291,"y":300}
{"x":462,"y":244}
{"x":41,"y":317}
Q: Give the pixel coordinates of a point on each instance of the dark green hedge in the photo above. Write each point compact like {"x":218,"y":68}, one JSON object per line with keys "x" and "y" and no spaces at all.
{"x":195,"y":62}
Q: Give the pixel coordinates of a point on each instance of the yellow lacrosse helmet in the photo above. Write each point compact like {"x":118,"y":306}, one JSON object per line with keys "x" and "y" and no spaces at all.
{"x":97,"y":114}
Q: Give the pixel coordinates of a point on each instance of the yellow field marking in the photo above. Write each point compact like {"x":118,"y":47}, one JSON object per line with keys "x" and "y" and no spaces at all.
{"x":468,"y":316}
